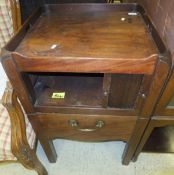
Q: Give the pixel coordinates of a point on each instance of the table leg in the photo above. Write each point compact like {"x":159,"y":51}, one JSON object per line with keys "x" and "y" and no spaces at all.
{"x":49,"y":149}
{"x":134,"y":141}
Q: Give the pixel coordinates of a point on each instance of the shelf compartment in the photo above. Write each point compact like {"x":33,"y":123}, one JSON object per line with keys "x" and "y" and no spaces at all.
{"x":93,"y":90}
{"x":81,"y":90}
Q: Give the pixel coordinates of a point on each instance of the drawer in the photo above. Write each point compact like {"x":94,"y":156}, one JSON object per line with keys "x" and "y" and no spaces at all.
{"x":83,"y":127}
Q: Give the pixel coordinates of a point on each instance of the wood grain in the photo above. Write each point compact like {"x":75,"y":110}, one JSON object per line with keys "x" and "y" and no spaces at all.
{"x":93,"y":38}
{"x":90,"y":38}
{"x":56,"y":126}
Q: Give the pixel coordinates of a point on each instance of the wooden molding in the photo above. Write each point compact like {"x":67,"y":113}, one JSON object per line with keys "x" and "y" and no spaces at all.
{"x":20,"y":147}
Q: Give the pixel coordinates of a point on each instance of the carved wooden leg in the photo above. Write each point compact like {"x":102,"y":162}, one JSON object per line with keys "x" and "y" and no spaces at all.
{"x":49,"y":149}
{"x":19,"y":143}
{"x":27,"y":157}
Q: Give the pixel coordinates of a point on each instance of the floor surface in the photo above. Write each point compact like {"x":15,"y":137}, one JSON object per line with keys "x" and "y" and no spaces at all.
{"x":79,"y":158}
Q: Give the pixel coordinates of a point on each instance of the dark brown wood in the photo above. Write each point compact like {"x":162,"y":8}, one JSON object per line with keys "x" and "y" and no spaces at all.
{"x":82,"y":90}
{"x":106,"y":88}
{"x":17,"y":82}
{"x":86,"y":64}
{"x":80,"y":110}
{"x":29,"y":84}
{"x":163,"y":108}
{"x":86,"y":45}
{"x":20,"y":147}
{"x":90,"y":7}
{"x":84,"y":54}
{"x":157,"y":136}
{"x":124,"y":89}
{"x":133,"y":142}
{"x":150,"y":100}
{"x":57,"y":126}
{"x":162,"y":71}
{"x":18,"y":37}
{"x":85,"y":90}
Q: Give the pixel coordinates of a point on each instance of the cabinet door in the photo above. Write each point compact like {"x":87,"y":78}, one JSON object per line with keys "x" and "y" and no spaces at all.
{"x":124,"y":89}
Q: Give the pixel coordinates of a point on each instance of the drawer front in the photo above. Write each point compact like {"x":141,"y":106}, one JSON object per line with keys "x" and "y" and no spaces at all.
{"x":83,"y":127}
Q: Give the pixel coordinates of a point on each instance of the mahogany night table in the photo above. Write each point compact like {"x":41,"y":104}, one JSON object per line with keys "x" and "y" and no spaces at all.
{"x":88,"y":72}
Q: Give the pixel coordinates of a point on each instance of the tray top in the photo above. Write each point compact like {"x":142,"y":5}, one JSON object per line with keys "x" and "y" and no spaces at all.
{"x":74,"y":32}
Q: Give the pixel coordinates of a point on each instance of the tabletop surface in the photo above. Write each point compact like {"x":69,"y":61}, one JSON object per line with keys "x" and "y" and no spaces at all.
{"x":75,"y":33}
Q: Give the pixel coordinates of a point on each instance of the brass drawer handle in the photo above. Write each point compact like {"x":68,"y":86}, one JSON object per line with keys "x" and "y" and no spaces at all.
{"x":74,"y":124}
